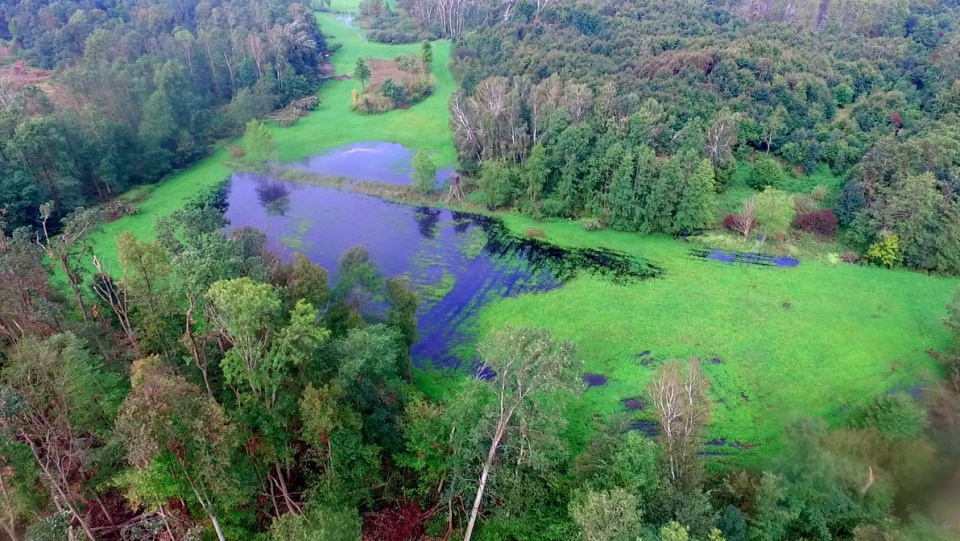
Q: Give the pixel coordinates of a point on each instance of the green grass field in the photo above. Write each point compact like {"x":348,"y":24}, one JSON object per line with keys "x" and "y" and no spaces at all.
{"x":811,"y":340}
{"x":423,"y":126}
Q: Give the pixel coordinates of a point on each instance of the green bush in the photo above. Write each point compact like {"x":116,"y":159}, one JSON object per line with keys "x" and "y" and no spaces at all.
{"x":895,"y":415}
{"x":424,"y":173}
{"x":371,"y":104}
{"x":766,"y":172}
{"x":886,"y":251}
{"x":499,"y":183}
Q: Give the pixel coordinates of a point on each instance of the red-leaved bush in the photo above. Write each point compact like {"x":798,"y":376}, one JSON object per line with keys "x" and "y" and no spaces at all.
{"x":402,"y":523}
{"x":822,"y":223}
{"x":730,"y":222}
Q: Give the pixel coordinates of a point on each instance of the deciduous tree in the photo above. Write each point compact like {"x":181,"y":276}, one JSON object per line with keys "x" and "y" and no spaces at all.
{"x":527,"y":364}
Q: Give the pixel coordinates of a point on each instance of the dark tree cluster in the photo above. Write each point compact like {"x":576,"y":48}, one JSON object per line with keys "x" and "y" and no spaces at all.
{"x":139,"y":90}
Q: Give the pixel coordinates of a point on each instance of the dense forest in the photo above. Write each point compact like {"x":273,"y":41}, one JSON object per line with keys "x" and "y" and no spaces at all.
{"x":212,"y":389}
{"x":621,"y":112}
{"x":139,"y":90}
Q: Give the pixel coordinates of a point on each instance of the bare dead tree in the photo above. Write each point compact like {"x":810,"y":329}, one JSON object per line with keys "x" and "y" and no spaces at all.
{"x":721,"y":138}
{"x":116,"y":298}
{"x":682,"y":408}
{"x":69,"y":247}
{"x":578,"y":99}
{"x":745,"y":222}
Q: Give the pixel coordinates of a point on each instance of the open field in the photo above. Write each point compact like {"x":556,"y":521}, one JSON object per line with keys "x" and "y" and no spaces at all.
{"x":777,"y":343}
{"x":332,"y":124}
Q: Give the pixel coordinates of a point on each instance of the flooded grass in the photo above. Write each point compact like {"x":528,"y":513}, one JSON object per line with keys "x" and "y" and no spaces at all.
{"x":456,"y":262}
{"x":768,"y":364}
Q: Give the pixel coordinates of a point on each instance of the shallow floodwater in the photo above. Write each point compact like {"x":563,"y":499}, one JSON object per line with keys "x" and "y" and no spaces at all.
{"x":369,"y":160}
{"x":438,"y":250}
{"x":455,"y":262}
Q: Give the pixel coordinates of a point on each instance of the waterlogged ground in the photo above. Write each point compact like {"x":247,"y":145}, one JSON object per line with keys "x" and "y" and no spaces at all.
{"x":378,"y":161}
{"x":456,"y":262}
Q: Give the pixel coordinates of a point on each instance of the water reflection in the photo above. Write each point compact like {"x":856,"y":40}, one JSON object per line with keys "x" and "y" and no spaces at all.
{"x":427,"y":219}
{"x":273,"y":195}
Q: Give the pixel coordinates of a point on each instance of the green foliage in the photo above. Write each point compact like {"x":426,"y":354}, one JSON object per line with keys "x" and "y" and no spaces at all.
{"x":361,"y":71}
{"x":843,"y":94}
{"x":534,"y":175}
{"x":261,"y":145}
{"x":886,"y":252}
{"x":674,"y":531}
{"x":607,"y":515}
{"x":766,"y":173}
{"x":317,"y":522}
{"x":403,"y":309}
{"x":396,"y":92}
{"x":775,"y":212}
{"x":499,"y":184}
{"x":622,"y":197}
{"x":424,"y":173}
{"x":697,"y":200}
{"x":894,"y":415}
{"x":426,"y":53}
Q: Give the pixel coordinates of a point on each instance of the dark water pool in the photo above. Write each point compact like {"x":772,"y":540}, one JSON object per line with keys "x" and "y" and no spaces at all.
{"x":456,"y":262}
{"x":369,"y":160}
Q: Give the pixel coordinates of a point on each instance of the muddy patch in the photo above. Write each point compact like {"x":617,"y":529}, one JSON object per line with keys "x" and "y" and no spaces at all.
{"x":649,"y":428}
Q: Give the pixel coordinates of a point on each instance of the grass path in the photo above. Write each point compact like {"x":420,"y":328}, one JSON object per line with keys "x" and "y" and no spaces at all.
{"x":815,"y":339}
{"x":423,"y":126}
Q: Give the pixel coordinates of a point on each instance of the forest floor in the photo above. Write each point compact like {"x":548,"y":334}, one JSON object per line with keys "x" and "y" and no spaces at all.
{"x":423,"y":126}
{"x":777,"y":343}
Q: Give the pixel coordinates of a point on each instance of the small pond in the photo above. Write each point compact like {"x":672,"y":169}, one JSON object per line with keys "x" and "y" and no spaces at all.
{"x":370,"y":160}
{"x":455,"y":262}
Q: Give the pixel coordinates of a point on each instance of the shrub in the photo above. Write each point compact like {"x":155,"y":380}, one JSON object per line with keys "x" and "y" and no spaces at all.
{"x":804,"y":203}
{"x":499,"y":183}
{"x":822,"y":223}
{"x":395,"y":92}
{"x":424,"y":173}
{"x":730,"y":222}
{"x":372,"y":104}
{"x":766,"y":172}
{"x":592,"y":225}
{"x":410,"y":63}
{"x":886,"y":251}
{"x":849,"y":202}
{"x":895,"y":415}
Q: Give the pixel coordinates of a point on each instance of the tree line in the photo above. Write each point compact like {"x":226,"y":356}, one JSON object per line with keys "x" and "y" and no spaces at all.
{"x":139,"y":90}
{"x":550,"y":102}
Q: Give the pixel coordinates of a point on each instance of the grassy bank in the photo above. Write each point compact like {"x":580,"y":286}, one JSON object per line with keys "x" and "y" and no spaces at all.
{"x":332,"y":124}
{"x":777,"y":343}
